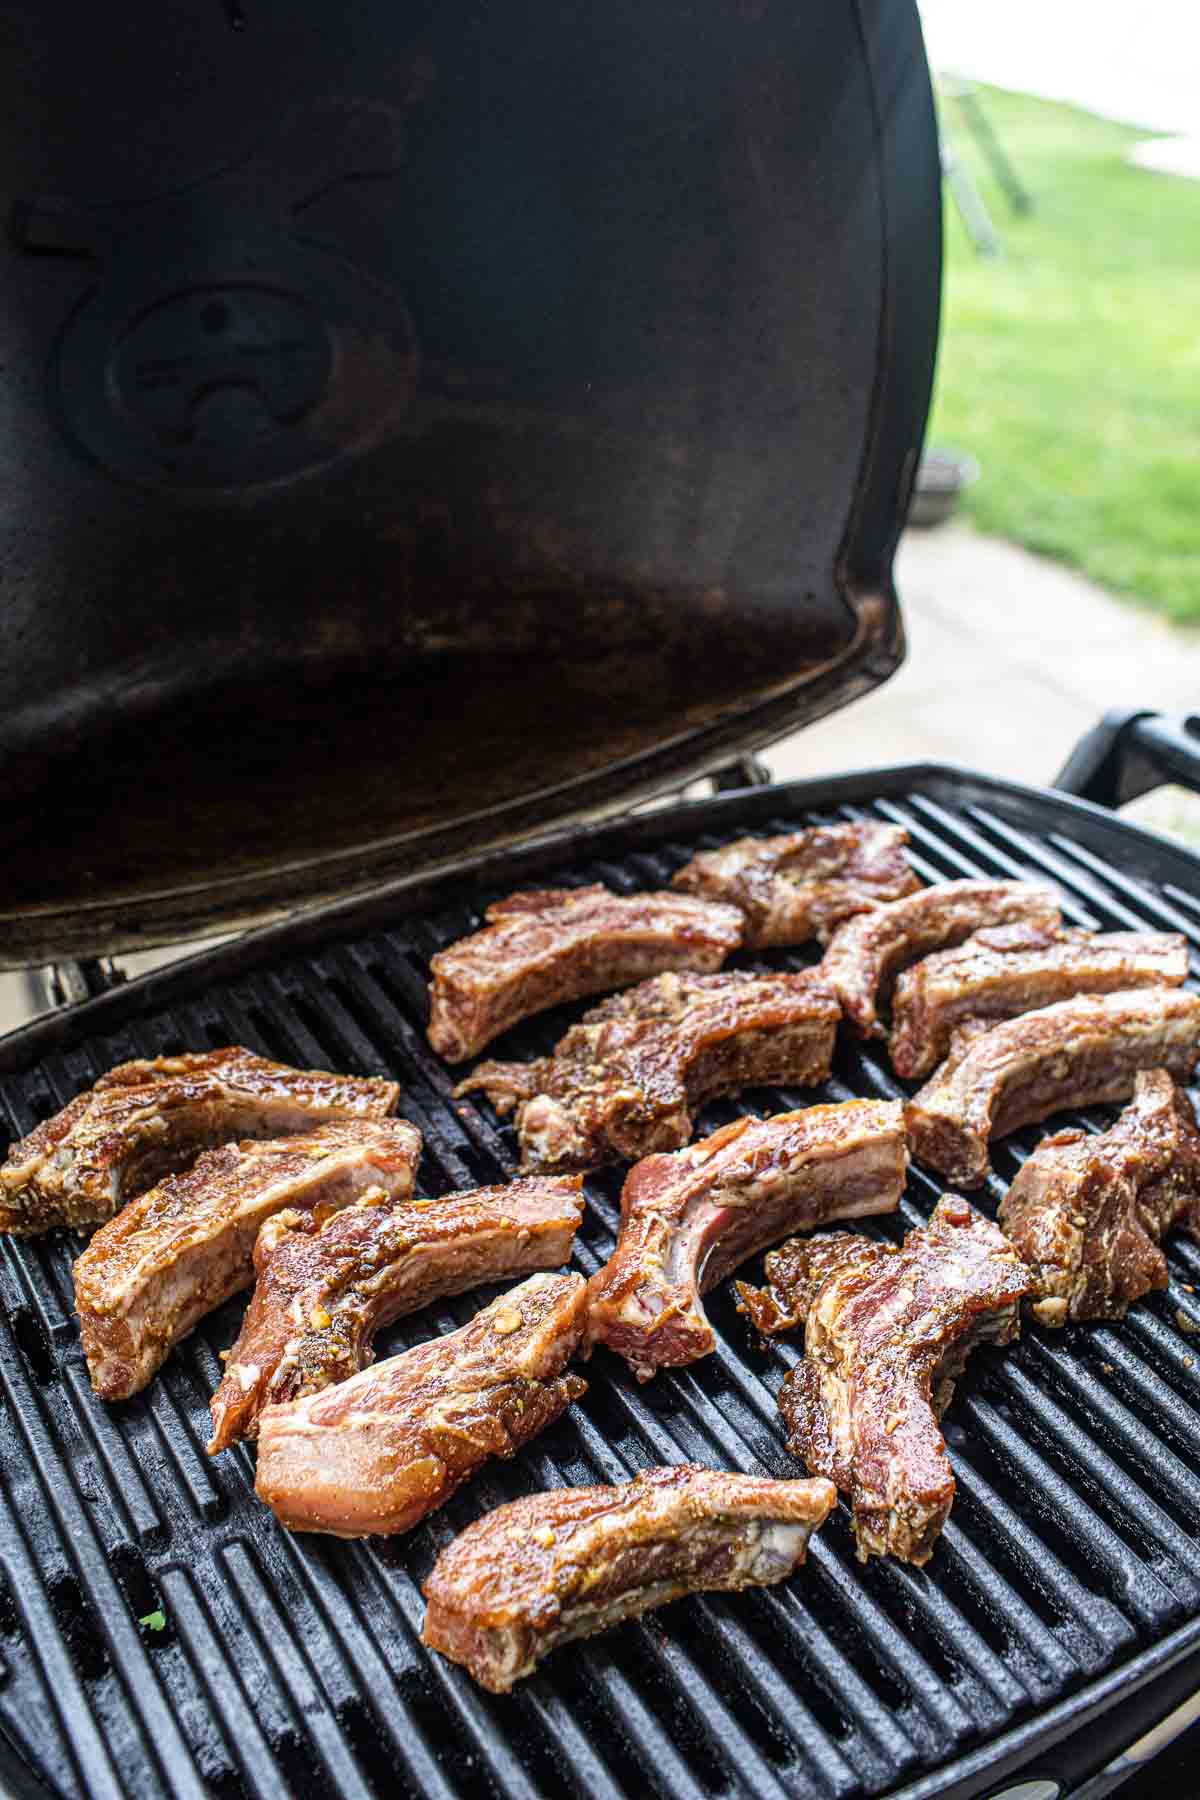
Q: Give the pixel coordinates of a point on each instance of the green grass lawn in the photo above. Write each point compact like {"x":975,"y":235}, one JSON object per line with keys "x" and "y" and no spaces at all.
{"x":1070,"y":366}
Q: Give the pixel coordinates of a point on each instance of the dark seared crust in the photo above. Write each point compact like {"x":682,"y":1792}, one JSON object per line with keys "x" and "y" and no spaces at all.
{"x":688,"y":1219}
{"x":1079,"y":1053}
{"x":798,"y":886}
{"x":552,"y":1567}
{"x":625,"y":1082}
{"x":887,"y":1332}
{"x":145,"y":1120}
{"x":172,"y":1255}
{"x":1013,"y":969}
{"x":1087,"y":1213}
{"x":794,"y":1272}
{"x":866,"y":954}
{"x":326,"y":1286}
{"x":376,"y":1453}
{"x":539,"y":949}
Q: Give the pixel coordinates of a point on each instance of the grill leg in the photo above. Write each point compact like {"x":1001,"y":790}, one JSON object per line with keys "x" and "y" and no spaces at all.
{"x":746,"y":772}
{"x":68,"y":983}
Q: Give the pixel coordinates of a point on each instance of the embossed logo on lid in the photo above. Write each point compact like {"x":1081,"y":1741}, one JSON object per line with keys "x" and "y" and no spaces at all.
{"x":221,"y":348}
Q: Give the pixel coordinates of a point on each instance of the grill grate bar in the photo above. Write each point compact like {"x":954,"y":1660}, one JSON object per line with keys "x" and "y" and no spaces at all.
{"x":607,"y":1464}
{"x":155,"y":1721}
{"x":1065,"y":1438}
{"x":1056,"y":1497}
{"x":243,"y":1739}
{"x":77,"y":1755}
{"x":1174,"y":1481}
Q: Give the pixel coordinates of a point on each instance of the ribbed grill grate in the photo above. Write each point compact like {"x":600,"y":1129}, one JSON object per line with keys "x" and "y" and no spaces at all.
{"x":291,"y":1666}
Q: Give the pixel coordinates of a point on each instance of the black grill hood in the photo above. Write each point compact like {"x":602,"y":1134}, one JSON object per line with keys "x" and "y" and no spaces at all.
{"x":424,"y":423}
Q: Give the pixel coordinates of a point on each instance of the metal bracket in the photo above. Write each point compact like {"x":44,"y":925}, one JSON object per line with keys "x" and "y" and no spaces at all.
{"x":69,"y":983}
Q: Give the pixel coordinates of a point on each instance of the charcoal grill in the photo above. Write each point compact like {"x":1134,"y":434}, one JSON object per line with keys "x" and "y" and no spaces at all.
{"x":428,"y":426}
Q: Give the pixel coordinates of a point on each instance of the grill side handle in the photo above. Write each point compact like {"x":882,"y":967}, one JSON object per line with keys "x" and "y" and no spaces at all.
{"x":1129,"y":753}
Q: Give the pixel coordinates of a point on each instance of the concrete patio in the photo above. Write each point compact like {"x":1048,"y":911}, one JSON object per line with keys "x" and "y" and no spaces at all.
{"x":1011,"y":659}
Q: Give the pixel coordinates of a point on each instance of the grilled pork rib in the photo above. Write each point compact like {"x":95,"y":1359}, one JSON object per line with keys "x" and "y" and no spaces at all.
{"x":145,"y":1120}
{"x":887,"y":1333}
{"x":626,"y":1081}
{"x":795,"y":887}
{"x":539,"y":949}
{"x":1087,"y":1213}
{"x":1015,"y":969}
{"x":172,"y":1255}
{"x":867,"y":953}
{"x":688,"y":1219}
{"x":326,"y":1287}
{"x":376,"y":1453}
{"x":552,"y":1567}
{"x":1078,"y":1053}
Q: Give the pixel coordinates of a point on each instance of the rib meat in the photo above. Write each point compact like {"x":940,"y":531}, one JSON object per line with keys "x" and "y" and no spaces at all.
{"x":145,"y":1120}
{"x":1015,"y":969}
{"x":552,"y":1567}
{"x":795,"y":887}
{"x":539,"y":949}
{"x":1077,"y":1053}
{"x":866,"y":954}
{"x":688,"y":1219}
{"x":376,"y":1453}
{"x":325,"y":1287}
{"x":888,"y":1331}
{"x":1087,"y":1213}
{"x":626,"y":1081}
{"x":178,"y":1251}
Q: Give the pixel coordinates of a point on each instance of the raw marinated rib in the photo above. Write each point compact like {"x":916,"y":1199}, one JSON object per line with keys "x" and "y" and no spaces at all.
{"x":326,"y":1287}
{"x":1087,"y":1213}
{"x":1078,"y":1053}
{"x":539,"y":949}
{"x":376,"y":1453}
{"x":688,"y":1219}
{"x":1015,"y":969}
{"x":626,"y":1081}
{"x":795,"y":887}
{"x":178,"y":1251}
{"x":552,"y":1567}
{"x":145,"y":1120}
{"x":866,"y":954}
{"x":887,"y":1333}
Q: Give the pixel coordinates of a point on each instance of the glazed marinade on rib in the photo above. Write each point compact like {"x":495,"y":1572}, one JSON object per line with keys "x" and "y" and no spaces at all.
{"x":176,"y":1252}
{"x":1087,"y":1212}
{"x":541,"y":948}
{"x":376,"y":1453}
{"x":689,"y":1218}
{"x":1081,"y":1052}
{"x":886,"y":1333}
{"x":627,"y":1081}
{"x":324,"y":1288}
{"x":554,"y":1567}
{"x":867,"y":953}
{"x":148,"y":1119}
{"x":792,"y":888}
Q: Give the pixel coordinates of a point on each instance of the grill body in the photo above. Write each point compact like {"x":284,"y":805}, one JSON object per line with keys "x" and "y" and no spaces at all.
{"x":1068,"y":1576}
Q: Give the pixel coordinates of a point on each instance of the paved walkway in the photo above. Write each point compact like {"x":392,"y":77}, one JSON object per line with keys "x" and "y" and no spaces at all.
{"x":1011,"y":659}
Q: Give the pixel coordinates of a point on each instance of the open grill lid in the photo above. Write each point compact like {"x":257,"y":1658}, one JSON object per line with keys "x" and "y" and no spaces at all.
{"x":427,"y":423}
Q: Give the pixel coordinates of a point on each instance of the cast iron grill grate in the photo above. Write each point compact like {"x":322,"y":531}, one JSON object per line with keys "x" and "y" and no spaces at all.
{"x":291,"y":1666}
